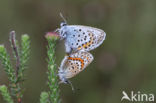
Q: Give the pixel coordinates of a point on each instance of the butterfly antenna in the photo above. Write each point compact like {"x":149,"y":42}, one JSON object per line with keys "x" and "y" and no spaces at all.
{"x":61,"y":15}
{"x":69,"y":82}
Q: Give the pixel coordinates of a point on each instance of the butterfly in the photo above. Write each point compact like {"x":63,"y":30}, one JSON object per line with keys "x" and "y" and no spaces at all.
{"x":73,"y":64}
{"x":79,"y":37}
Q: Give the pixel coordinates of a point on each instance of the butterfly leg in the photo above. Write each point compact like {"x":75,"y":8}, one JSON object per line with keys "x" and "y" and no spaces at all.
{"x":70,"y":83}
{"x":57,"y":30}
{"x":67,"y":82}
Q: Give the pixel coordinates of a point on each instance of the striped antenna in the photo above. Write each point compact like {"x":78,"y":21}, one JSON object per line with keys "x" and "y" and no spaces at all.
{"x":63,"y":17}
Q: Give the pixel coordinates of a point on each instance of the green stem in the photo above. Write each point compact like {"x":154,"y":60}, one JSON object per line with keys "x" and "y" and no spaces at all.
{"x":5,"y":59}
{"x":21,"y":56}
{"x":52,"y":72}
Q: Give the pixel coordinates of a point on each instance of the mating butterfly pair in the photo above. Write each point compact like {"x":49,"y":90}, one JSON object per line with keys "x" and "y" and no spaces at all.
{"x":79,"y":40}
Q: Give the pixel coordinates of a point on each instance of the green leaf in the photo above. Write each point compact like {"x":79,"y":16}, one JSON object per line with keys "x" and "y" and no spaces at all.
{"x":2,"y":48}
{"x":5,"y":94}
{"x":44,"y":97}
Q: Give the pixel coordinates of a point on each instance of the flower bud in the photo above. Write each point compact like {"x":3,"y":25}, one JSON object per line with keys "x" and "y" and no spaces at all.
{"x":52,"y":36}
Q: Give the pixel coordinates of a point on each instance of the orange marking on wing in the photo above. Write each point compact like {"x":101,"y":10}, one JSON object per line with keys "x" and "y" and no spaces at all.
{"x":79,"y":48}
{"x":79,"y":59}
{"x":87,"y":58}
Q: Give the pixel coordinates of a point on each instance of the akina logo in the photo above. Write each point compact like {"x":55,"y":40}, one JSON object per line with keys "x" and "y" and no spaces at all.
{"x":137,"y":96}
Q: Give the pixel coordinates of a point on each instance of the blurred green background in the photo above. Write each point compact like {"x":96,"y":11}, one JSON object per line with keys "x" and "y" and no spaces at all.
{"x":125,"y":61}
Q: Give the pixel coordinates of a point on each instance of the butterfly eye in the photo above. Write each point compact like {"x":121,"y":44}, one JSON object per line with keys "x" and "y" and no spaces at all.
{"x":63,"y":24}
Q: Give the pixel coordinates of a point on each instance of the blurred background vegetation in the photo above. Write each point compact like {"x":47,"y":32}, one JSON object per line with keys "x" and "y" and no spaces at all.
{"x":125,"y":61}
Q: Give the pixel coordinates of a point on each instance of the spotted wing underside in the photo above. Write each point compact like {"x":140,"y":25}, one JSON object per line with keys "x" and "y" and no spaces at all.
{"x":84,"y":38}
{"x":77,"y":62}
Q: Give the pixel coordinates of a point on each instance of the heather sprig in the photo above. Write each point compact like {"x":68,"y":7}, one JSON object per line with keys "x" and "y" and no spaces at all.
{"x":24,"y":54}
{"x":53,"y":85}
{"x":15,"y":75}
{"x":5,"y":60}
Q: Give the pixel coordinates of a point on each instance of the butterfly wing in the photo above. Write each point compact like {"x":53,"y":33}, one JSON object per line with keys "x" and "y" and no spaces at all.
{"x":76,"y":62}
{"x":83,"y":37}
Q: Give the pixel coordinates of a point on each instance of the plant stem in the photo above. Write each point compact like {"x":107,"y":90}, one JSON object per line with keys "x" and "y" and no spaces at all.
{"x":24,"y":55}
{"x":5,"y":59}
{"x":16,"y":75}
{"x":13,"y":42}
{"x":52,"y":72}
{"x":15,"y":49}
